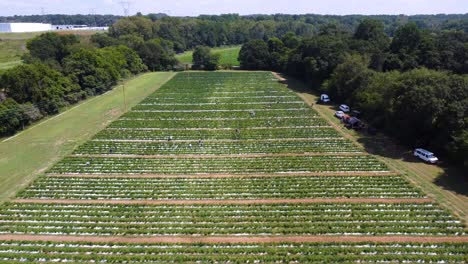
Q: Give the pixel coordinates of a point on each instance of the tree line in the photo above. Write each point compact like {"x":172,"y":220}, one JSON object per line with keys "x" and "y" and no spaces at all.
{"x":304,"y":23}
{"x":59,"y":70}
{"x":413,"y":86}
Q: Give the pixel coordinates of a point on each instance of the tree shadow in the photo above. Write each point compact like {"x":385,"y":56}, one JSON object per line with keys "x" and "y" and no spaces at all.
{"x":452,"y":178}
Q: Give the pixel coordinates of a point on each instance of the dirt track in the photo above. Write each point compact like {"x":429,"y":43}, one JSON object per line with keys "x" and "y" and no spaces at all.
{"x":256,"y":201}
{"x":241,"y":239}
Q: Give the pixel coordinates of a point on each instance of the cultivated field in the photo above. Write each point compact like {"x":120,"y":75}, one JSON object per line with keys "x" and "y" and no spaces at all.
{"x":225,"y":167}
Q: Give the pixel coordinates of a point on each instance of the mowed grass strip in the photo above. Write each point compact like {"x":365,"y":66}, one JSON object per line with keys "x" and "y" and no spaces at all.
{"x":229,"y":56}
{"x":32,"y":151}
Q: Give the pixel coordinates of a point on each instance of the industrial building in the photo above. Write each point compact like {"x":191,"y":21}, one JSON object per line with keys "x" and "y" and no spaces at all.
{"x":24,"y":27}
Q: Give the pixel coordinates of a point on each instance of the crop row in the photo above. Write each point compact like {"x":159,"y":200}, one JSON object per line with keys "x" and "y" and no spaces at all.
{"x":228,"y":106}
{"x":239,"y":124}
{"x":13,"y":252}
{"x":269,"y":219}
{"x":223,"y":97}
{"x":244,"y":134}
{"x":233,"y":147}
{"x":307,"y":113}
{"x":220,"y":188}
{"x":84,"y":165}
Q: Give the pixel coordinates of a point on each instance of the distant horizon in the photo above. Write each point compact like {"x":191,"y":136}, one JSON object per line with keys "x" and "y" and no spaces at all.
{"x":190,"y":8}
{"x":242,"y":15}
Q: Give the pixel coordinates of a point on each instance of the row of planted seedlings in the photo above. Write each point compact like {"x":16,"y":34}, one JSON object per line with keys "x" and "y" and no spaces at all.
{"x":244,"y":188}
{"x":217,"y":147}
{"x":401,"y":219}
{"x":220,"y":165}
{"x":220,"y":124}
{"x":220,"y":134}
{"x":247,"y":114}
{"x":14,"y":252}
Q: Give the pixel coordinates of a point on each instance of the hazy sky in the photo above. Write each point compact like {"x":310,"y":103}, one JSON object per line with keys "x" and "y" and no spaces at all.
{"x":194,"y":7}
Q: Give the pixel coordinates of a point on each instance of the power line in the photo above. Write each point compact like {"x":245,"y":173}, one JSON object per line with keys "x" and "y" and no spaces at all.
{"x":126,"y":7}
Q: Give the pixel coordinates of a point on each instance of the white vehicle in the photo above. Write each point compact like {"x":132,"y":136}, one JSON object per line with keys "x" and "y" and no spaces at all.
{"x":339,"y":114}
{"x":324,"y":98}
{"x":425,"y":155}
{"x":344,"y":108}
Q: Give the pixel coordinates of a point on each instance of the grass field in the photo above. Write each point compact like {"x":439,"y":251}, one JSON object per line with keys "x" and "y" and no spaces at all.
{"x":12,"y":47}
{"x":50,"y":140}
{"x":228,"y":56}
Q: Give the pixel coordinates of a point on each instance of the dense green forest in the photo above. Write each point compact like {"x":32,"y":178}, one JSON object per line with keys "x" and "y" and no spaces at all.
{"x":407,"y":74}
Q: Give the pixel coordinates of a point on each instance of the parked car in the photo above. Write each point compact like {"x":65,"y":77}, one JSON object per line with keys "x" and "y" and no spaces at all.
{"x":425,"y":155}
{"x":324,"y":99}
{"x":344,"y":108}
{"x":340,"y":114}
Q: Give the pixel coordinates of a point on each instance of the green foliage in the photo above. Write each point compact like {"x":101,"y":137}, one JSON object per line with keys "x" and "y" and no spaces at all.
{"x":255,"y":55}
{"x":36,"y":83}
{"x":51,"y":46}
{"x":290,"y":40}
{"x":102,"y":40}
{"x":157,"y":54}
{"x":420,"y":107}
{"x":348,"y":77}
{"x":316,"y":58}
{"x":203,"y":58}
{"x":11,"y":117}
{"x":141,"y":26}
{"x":90,"y":69}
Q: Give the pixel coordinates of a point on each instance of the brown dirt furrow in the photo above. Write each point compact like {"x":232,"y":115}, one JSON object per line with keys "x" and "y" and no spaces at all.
{"x":221,"y":140}
{"x":216,"y":156}
{"x":226,"y":202}
{"x":240,"y":239}
{"x":150,"y":176}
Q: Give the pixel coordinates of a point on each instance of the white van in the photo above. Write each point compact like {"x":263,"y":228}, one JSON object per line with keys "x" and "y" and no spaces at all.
{"x":425,"y":155}
{"x":324,"y":98}
{"x":344,"y":108}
